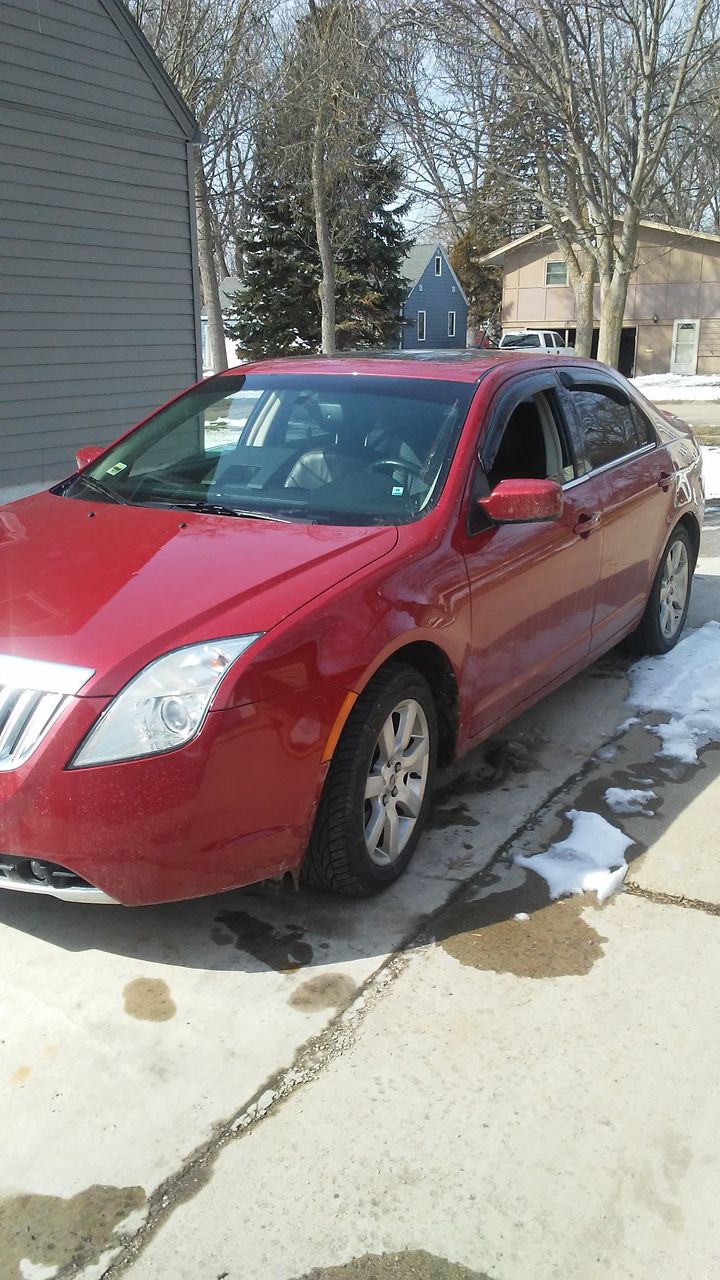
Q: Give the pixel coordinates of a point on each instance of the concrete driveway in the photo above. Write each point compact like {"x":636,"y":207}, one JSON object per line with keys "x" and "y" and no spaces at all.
{"x":266,"y":1085}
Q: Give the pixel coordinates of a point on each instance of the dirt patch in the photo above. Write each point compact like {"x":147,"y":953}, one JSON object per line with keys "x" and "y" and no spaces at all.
{"x":326,"y":991}
{"x":414,"y":1264}
{"x":280,"y":949}
{"x":555,"y":942}
{"x":149,"y":999}
{"x":20,"y":1075}
{"x":52,"y":1232}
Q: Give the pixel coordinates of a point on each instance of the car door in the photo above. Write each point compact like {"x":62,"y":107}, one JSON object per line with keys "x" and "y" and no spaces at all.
{"x":533,"y":586}
{"x":620,"y":448}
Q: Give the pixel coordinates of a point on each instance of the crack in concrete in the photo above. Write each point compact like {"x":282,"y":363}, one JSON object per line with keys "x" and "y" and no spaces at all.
{"x":672,"y":899}
{"x":314,"y":1056}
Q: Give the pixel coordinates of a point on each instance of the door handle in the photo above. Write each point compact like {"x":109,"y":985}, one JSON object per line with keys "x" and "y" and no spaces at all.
{"x":664,"y":481}
{"x":587,"y":523}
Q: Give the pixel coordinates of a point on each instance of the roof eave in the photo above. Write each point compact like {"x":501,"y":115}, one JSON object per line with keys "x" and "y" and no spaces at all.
{"x":146,"y":55}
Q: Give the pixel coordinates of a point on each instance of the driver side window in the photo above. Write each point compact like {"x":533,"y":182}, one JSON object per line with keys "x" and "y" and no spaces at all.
{"x":532,"y":445}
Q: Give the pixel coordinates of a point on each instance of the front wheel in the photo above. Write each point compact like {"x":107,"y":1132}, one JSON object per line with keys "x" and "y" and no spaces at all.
{"x":662,"y":623}
{"x":376,"y":795}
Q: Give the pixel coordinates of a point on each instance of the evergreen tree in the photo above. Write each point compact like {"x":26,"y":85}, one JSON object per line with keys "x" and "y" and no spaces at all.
{"x":277,"y":312}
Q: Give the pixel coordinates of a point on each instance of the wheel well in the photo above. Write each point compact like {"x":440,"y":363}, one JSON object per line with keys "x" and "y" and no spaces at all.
{"x":692,"y":527}
{"x":433,"y":664}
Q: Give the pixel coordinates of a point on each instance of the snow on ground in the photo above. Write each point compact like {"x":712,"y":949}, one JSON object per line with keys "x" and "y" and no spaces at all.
{"x":685,"y":683}
{"x":622,"y":800}
{"x":591,"y":858}
{"x":664,"y":388}
{"x":711,"y":471}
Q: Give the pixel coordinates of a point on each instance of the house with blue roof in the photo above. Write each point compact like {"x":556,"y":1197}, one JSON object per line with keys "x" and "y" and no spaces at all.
{"x":435,"y":312}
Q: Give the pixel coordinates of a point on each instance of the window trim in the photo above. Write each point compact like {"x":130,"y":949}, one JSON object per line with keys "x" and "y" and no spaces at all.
{"x":556,"y":284}
{"x":438,"y":264}
{"x":422,"y":337}
{"x":452,"y":329}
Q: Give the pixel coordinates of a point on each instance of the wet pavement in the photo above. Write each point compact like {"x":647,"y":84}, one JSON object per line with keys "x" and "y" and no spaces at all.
{"x":270,"y":1085}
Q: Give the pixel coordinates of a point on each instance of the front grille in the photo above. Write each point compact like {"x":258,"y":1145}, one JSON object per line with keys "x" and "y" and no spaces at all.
{"x":38,"y":873}
{"x":25,"y":717}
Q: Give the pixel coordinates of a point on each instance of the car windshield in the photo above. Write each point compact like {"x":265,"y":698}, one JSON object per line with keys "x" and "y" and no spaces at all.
{"x":336,"y":449}
{"x":521,"y":340}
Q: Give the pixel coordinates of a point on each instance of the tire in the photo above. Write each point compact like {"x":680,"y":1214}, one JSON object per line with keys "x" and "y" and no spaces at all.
{"x":661,"y":625}
{"x":357,"y":847}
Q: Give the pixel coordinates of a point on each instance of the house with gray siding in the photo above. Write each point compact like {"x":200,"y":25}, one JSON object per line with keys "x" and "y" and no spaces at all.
{"x":436,"y":310}
{"x":99,"y":314}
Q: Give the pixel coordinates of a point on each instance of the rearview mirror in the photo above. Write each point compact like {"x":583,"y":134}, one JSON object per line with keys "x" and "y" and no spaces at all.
{"x":87,"y":454}
{"x":523,"y":502}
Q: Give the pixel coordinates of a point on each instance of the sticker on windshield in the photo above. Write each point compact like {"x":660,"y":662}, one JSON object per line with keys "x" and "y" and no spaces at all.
{"x":397,"y":491}
{"x":119,"y":466}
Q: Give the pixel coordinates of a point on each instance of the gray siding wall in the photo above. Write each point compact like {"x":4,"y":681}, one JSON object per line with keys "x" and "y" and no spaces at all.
{"x":435,"y":295}
{"x":98,"y":320}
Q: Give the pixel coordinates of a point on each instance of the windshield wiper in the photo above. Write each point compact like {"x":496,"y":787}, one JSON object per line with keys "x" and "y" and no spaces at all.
{"x":101,"y":489}
{"x":217,"y":509}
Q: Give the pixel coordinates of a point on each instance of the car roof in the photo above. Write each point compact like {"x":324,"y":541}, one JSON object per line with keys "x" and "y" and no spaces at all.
{"x":460,"y":365}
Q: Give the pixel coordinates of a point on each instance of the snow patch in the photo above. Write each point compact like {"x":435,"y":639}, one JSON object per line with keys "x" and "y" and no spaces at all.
{"x":685,"y":683}
{"x":622,"y":800}
{"x":591,"y":858}
{"x":664,"y":388}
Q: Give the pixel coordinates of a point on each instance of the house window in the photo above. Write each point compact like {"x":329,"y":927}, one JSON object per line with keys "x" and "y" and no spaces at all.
{"x":422,"y":316}
{"x":555,"y":273}
{"x":451,"y":324}
{"x":438,"y":264}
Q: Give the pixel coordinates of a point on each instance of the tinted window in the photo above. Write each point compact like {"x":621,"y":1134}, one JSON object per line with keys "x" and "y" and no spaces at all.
{"x":548,"y":339}
{"x":609,"y":425}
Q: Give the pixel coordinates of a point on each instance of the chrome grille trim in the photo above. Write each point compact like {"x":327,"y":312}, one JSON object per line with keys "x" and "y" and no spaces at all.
{"x":44,"y":677}
{"x":25,"y":717}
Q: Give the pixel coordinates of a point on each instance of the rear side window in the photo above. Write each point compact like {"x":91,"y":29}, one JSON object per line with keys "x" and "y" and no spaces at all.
{"x":521,"y":340}
{"x":609,"y":426}
{"x":549,"y":341}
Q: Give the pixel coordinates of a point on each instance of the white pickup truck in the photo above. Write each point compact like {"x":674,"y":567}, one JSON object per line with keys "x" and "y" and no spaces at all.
{"x":535,"y":340}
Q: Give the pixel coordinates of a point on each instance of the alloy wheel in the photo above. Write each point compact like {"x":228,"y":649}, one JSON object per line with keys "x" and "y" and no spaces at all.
{"x":674,"y":589}
{"x":396,"y":783}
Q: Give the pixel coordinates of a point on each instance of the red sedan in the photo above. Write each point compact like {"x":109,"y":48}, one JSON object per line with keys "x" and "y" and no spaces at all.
{"x":241,"y":640}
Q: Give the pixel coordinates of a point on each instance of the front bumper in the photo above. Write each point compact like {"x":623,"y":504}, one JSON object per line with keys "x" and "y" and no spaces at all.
{"x":234,"y":806}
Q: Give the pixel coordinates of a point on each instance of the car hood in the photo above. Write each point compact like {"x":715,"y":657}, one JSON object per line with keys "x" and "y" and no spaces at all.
{"x":110,"y":587}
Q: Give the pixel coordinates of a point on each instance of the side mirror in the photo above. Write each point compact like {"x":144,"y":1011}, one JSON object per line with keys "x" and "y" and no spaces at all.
{"x":523,"y":502}
{"x":87,"y":454}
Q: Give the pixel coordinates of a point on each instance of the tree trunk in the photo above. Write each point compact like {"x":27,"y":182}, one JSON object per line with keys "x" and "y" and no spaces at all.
{"x":612,"y":310}
{"x":322,"y":231}
{"x":206,"y":258}
{"x":583,"y":290}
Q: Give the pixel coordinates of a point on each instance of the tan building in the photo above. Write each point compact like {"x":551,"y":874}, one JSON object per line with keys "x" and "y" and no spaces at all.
{"x":672,"y":317}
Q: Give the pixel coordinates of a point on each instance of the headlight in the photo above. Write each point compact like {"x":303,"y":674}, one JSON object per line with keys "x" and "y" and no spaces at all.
{"x":164,"y":705}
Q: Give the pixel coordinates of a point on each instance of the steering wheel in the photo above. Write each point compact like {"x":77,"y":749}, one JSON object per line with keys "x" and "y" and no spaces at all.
{"x":399,"y":464}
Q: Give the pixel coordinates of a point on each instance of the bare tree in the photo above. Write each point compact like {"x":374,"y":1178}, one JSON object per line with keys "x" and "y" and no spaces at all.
{"x":606,"y":81}
{"x":330,"y":101}
{"x":210,"y":49}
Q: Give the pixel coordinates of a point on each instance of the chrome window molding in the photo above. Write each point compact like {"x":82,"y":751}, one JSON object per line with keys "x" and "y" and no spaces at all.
{"x":43,"y":677}
{"x":608,"y":466}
